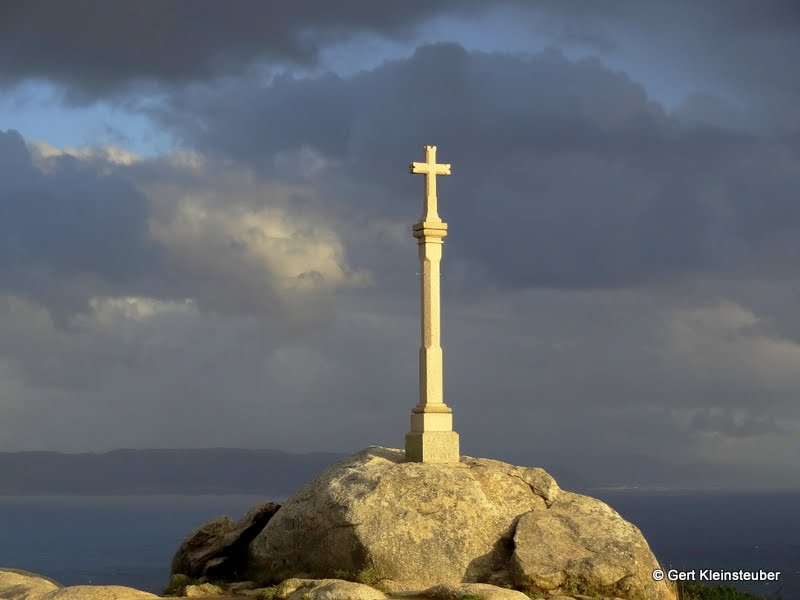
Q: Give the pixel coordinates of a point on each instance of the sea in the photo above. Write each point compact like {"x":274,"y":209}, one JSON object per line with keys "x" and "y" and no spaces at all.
{"x":130,"y":540}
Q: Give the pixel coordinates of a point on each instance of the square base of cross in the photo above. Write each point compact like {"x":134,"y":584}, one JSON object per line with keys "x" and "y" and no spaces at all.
{"x":432,"y":447}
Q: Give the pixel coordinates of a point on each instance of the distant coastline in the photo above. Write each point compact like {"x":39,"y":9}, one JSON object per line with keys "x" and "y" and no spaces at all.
{"x":220,"y":471}
{"x":663,"y":489}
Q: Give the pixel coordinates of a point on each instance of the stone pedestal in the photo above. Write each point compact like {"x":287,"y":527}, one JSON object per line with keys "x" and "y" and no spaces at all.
{"x":432,"y":446}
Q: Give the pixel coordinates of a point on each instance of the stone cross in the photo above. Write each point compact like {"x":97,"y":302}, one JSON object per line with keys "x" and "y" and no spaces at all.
{"x":430,"y":169}
{"x":431,"y":438}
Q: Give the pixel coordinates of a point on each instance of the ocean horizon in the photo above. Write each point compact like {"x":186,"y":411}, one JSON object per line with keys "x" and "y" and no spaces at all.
{"x":130,"y":539}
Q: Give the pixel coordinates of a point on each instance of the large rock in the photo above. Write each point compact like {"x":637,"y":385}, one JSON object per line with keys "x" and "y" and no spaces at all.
{"x":427,"y":524}
{"x":218,"y":548}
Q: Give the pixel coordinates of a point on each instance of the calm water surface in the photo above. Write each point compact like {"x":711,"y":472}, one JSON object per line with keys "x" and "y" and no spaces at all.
{"x":99,"y":540}
{"x":720,"y":530}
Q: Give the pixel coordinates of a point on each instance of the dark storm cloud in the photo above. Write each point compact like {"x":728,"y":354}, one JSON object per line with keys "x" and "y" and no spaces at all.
{"x":565,"y":174}
{"x":70,"y":232}
{"x":96,"y":47}
{"x":749,"y":49}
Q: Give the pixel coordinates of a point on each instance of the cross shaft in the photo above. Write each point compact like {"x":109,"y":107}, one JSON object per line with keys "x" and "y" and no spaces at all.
{"x":431,"y":438}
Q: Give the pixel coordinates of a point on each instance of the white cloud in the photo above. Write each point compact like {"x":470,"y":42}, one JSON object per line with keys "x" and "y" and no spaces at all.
{"x":109,"y":310}
{"x":42,"y":152}
{"x":247,"y":243}
{"x":728,"y":342}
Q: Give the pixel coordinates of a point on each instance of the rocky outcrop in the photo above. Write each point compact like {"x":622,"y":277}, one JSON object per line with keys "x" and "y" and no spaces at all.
{"x":337,"y":589}
{"x":201,"y":590}
{"x":218,"y":549}
{"x":476,"y":521}
{"x":22,"y":585}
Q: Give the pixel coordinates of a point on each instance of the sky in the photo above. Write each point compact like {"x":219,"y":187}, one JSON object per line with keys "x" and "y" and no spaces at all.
{"x":205,"y":229}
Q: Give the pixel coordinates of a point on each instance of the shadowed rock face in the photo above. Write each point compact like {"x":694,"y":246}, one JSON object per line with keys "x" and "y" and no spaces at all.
{"x":479,"y":520}
{"x":218,"y":549}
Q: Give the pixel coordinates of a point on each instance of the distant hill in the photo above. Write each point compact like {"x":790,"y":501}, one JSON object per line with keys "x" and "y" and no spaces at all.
{"x":278,"y":474}
{"x":202,"y":471}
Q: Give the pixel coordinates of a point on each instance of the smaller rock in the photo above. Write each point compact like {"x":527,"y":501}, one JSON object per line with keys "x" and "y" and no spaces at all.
{"x":98,"y":592}
{"x":326,"y":589}
{"x":288,"y":586}
{"x":202,"y":545}
{"x":218,"y":548}
{"x":542,"y":484}
{"x":483,"y":590}
{"x":346,"y":590}
{"x":203,"y":589}
{"x":581,"y":544}
{"x":16,"y":584}
{"x":22,"y":585}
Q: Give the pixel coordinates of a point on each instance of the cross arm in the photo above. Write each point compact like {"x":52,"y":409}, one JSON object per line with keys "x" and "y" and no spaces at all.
{"x":421,"y":167}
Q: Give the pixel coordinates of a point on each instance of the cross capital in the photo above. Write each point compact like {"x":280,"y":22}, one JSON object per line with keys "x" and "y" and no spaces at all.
{"x":430,"y":169}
